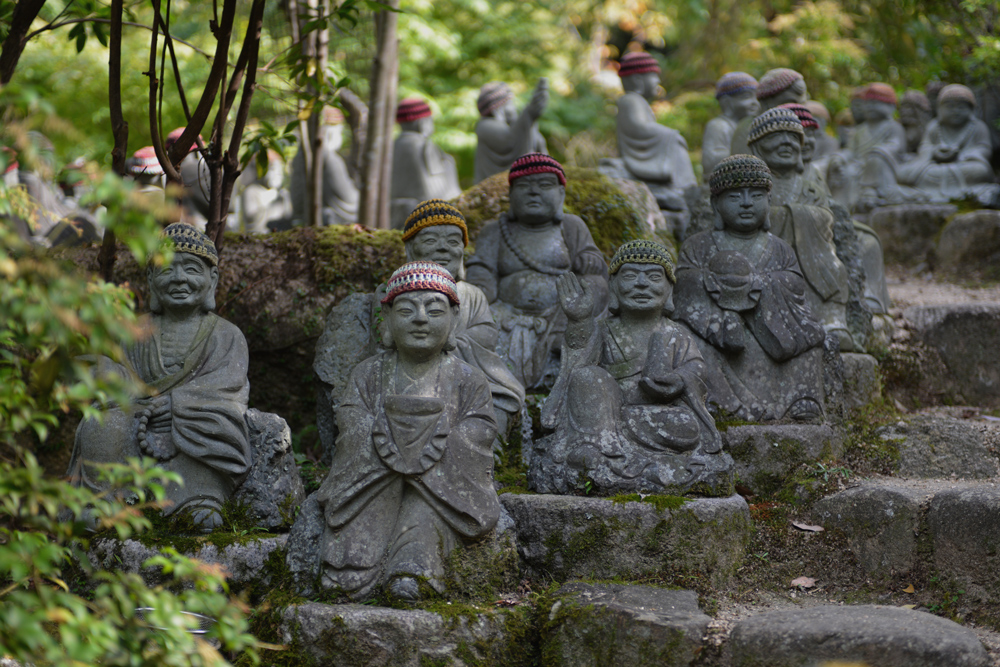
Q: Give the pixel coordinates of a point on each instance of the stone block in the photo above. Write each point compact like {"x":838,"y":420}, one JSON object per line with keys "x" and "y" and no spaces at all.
{"x":970,"y":243}
{"x":569,"y":537}
{"x":966,"y":337}
{"x":361,"y":635}
{"x":933,"y":446}
{"x":864,"y":634}
{"x":909,"y":232}
{"x":766,"y":455}
{"x":862,"y":380}
{"x":964,"y":524}
{"x":613,"y":624}
{"x":273,"y":487}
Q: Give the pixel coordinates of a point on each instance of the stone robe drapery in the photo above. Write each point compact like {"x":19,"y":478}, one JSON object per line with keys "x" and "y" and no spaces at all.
{"x":411,"y":476}
{"x":651,"y":152}
{"x":781,"y":362}
{"x":715,"y":143}
{"x":208,"y":403}
{"x":420,"y":171}
{"x":499,"y":144}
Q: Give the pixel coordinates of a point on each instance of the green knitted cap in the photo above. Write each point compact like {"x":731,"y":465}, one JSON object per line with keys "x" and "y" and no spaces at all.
{"x":740,"y":171}
{"x":643,"y":252}
{"x":188,"y":239}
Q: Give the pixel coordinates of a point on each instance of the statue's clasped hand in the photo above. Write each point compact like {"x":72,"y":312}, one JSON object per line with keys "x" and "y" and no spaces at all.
{"x":155,"y":438}
{"x":668,"y":387}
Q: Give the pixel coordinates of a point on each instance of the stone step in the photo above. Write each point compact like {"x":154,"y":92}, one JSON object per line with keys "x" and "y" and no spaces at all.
{"x":857,"y":635}
{"x":909,"y":232}
{"x":935,"y":446}
{"x":570,"y":537}
{"x":766,"y":455}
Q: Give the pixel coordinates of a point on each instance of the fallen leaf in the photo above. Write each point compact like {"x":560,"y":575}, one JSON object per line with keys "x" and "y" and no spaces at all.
{"x":804,"y":582}
{"x":908,"y":606}
{"x":910,"y":589}
{"x":807,"y":527}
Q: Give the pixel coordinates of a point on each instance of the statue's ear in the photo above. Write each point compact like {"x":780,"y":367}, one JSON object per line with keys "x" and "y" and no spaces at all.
{"x":668,"y":307}
{"x":210,"y":297}
{"x":452,"y":341}
{"x":719,"y":224}
{"x":560,"y":213}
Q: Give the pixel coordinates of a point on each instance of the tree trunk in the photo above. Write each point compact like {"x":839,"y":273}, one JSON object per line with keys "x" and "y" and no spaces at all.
{"x":119,"y":128}
{"x":357,"y":118}
{"x":24,"y":13}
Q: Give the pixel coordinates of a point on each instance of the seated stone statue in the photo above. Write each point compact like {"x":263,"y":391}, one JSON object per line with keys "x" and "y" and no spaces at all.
{"x":193,"y":364}
{"x":629,"y":408}
{"x":800,"y":216}
{"x":420,"y":170}
{"x":740,"y":289}
{"x":412,"y":475}
{"x":503,"y":135}
{"x":340,"y":194}
{"x":434,"y":232}
{"x":914,"y":115}
{"x":737,"y":95}
{"x":519,"y":259}
{"x":264,"y":204}
{"x":652,"y":153}
{"x":776,"y":87}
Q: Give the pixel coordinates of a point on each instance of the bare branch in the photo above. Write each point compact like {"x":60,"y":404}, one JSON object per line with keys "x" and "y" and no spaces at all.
{"x":20,"y":22}
{"x":119,"y":128}
{"x":128,"y":23}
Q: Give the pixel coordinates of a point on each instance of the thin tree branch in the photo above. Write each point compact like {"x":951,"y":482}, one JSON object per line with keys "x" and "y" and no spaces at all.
{"x":119,"y":128}
{"x":154,"y":124}
{"x":128,"y":23}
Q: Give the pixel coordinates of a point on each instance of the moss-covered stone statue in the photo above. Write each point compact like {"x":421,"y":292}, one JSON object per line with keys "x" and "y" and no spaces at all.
{"x":503,"y":134}
{"x":193,"y":365}
{"x":737,"y":96}
{"x":741,"y":291}
{"x":629,"y":408}
{"x":412,"y":475}
{"x":776,"y":87}
{"x":519,"y":259}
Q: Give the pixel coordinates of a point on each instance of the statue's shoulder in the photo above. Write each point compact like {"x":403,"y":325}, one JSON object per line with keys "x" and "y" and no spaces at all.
{"x":227,"y":330}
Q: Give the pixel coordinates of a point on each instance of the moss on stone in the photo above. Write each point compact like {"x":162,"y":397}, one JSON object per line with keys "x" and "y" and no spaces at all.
{"x":660,"y":502}
{"x":357,"y":257}
{"x":483,"y":570}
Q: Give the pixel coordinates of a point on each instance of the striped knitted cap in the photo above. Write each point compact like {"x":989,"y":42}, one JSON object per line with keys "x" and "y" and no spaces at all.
{"x":817,"y":110}
{"x":734,"y":83}
{"x":411,"y":109}
{"x":643,"y":252}
{"x":188,"y":239}
{"x":775,"y":120}
{"x":879,"y":92}
{"x":431,"y":213}
{"x":144,"y":162}
{"x":801,"y":111}
{"x":332,"y":116}
{"x":175,"y":135}
{"x":493,"y":96}
{"x":859,"y":93}
{"x":956,"y":91}
{"x":536,"y":163}
{"x":418,"y":276}
{"x":740,"y":171}
{"x":776,"y":81}
{"x":637,"y":62}
{"x":917,"y":99}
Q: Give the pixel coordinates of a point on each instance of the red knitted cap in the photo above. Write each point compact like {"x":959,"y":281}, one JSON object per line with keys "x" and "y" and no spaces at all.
{"x":879,"y":92}
{"x":536,"y":163}
{"x":805,"y":117}
{"x":411,"y":109}
{"x":144,"y":162}
{"x":637,"y":62}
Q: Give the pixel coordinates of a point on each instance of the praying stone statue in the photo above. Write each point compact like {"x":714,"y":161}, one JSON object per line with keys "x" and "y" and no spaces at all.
{"x":776,"y":87}
{"x":193,"y":367}
{"x":434,"y":232}
{"x":503,"y":134}
{"x":420,"y":170}
{"x":264,"y":204}
{"x":651,"y":153}
{"x":628,"y":408}
{"x":737,"y":95}
{"x":412,"y":474}
{"x":740,"y":290}
{"x":800,"y":215}
{"x":914,"y":116}
{"x":519,"y":259}
{"x":340,"y":194}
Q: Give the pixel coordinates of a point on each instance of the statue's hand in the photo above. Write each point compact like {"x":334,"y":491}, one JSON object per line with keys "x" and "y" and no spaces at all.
{"x":575,"y":297}
{"x":945,"y":153}
{"x":539,"y":100}
{"x":155,"y":437}
{"x":667,"y":388}
{"x":732,"y":331}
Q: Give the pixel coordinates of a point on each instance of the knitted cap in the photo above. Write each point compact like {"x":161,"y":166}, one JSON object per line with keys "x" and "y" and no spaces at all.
{"x":956,"y":91}
{"x":817,"y":110}
{"x":643,"y":252}
{"x":879,"y":92}
{"x":775,"y":120}
{"x":175,"y":135}
{"x":859,"y":93}
{"x":536,"y":163}
{"x":637,"y":62}
{"x":776,"y":81}
{"x":917,"y":99}
{"x":493,"y":96}
{"x":188,"y":239}
{"x":734,"y":83}
{"x":417,"y":276}
{"x":740,"y":171}
{"x":144,"y":162}
{"x":431,"y":213}
{"x":411,"y":109}
{"x":802,"y":113}
{"x":332,"y":116}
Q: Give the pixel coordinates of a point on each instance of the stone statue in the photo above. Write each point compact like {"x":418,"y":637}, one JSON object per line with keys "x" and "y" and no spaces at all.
{"x":263,"y":201}
{"x":914,"y":115}
{"x":776,"y":87}
{"x":434,"y":232}
{"x":652,"y":153}
{"x":412,"y":474}
{"x":503,"y":134}
{"x":629,"y":408}
{"x":197,"y":182}
{"x":843,"y":125}
{"x":740,"y":289}
{"x":518,"y":261}
{"x":420,"y":170}
{"x":825,"y":144}
{"x":193,"y":365}
{"x":737,"y":96}
{"x":340,"y":194}
{"x":146,"y":171}
{"x":932,"y":90}
{"x":800,"y":216}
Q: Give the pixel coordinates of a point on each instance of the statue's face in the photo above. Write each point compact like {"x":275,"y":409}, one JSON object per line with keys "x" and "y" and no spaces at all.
{"x":509,"y":112}
{"x":535,"y":199}
{"x":743,"y":210}
{"x":877,"y":111}
{"x":641,"y":287}
{"x":275,"y":174}
{"x":441,"y":244}
{"x":650,"y":84}
{"x":780,"y":150}
{"x":741,"y":105}
{"x":333,"y":137}
{"x":186,"y":284}
{"x":908,"y":114}
{"x":809,"y":143}
{"x":420,"y":322}
{"x":858,"y":108}
{"x":954,"y":113}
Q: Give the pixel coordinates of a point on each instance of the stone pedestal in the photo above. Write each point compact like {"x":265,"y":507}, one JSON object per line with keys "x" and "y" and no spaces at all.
{"x":767,"y":455}
{"x":909,"y":232}
{"x":970,"y":244}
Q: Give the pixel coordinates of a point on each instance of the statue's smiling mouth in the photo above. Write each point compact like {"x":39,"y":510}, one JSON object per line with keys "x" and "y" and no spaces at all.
{"x":180,"y":292}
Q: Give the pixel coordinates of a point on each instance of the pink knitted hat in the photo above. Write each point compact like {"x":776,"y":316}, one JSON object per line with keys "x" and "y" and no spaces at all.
{"x":418,"y":276}
{"x":411,"y":109}
{"x":536,"y":163}
{"x":637,"y":62}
